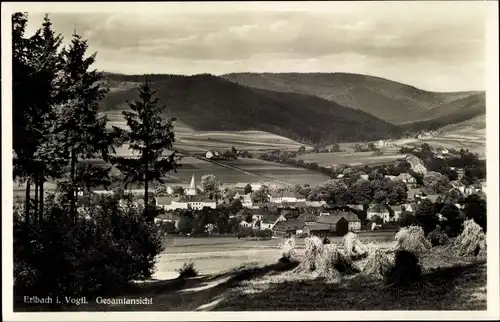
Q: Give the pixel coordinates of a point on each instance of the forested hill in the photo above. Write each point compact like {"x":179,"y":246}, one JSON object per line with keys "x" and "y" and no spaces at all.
{"x":207,"y":102}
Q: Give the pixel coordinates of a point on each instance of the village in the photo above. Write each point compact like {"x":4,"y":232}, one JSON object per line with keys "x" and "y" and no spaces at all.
{"x":285,"y":211}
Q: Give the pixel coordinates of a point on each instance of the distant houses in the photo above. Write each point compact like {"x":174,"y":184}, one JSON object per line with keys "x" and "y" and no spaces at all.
{"x":285,"y":197}
{"x":378,"y":210}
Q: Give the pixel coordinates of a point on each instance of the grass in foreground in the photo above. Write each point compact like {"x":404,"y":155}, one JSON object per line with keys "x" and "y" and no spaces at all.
{"x":450,"y":282}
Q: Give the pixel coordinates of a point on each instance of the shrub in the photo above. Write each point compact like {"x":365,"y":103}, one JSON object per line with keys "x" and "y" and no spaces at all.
{"x":188,"y":270}
{"x":437,"y":237}
{"x":472,"y":240}
{"x":411,"y":239}
{"x":93,"y":256}
{"x":406,"y":269}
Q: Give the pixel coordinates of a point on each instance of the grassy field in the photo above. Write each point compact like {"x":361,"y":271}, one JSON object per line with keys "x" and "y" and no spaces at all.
{"x":240,"y":275}
{"x":192,"y":141}
{"x":350,"y":158}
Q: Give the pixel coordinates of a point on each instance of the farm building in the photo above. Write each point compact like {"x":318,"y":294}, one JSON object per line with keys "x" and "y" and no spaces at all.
{"x":378,"y":210}
{"x":288,"y":227}
{"x":269,"y":221}
{"x":319,"y":230}
{"x":364,"y":176}
{"x":352,"y":222}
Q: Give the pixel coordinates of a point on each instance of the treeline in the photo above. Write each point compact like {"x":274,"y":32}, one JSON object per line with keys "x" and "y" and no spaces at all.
{"x":57,"y":130}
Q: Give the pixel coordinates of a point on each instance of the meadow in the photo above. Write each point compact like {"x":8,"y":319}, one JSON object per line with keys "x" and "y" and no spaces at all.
{"x":239,"y":275}
{"x":350,"y":158}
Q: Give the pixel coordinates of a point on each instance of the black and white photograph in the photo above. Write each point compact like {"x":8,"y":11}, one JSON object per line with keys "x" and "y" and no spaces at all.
{"x":286,"y":157}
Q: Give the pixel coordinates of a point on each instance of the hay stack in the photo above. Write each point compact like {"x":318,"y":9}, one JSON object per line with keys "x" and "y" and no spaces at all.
{"x":288,"y":250}
{"x":472,"y":240}
{"x":412,"y":239}
{"x":378,"y":264}
{"x":323,"y":260}
{"x":353,"y":246}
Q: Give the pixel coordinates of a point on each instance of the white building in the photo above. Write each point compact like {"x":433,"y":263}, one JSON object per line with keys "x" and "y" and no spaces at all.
{"x":285,"y":196}
{"x":188,"y":202}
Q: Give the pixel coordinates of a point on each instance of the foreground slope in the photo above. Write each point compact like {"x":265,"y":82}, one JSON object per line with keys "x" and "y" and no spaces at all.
{"x":388,"y":100}
{"x":210,"y":103}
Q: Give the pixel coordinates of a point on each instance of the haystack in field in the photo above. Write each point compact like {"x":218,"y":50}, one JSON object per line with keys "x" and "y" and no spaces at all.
{"x":353,"y":246}
{"x":472,"y":240}
{"x":378,"y":264}
{"x":288,"y":250}
{"x":412,"y":239}
{"x":323,"y":260}
{"x":406,"y":270}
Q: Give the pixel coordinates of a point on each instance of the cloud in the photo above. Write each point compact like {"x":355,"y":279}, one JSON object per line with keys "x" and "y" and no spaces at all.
{"x":388,"y":33}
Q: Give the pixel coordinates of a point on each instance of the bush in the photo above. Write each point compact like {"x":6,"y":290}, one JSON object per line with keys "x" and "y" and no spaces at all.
{"x":188,"y":270}
{"x":94,"y":256}
{"x":437,"y":237}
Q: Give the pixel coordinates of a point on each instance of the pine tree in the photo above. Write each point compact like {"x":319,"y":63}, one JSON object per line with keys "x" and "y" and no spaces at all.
{"x":80,"y":129}
{"x":150,"y":134}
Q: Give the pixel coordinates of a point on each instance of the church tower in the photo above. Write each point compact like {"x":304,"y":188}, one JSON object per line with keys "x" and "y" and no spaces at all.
{"x":191,"y":191}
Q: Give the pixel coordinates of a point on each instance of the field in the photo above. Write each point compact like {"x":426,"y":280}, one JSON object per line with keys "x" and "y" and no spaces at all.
{"x":238,"y":275}
{"x":199,"y":142}
{"x":350,"y":158}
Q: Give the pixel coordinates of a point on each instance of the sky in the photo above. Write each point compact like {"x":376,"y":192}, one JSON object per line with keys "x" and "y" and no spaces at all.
{"x":437,"y":46}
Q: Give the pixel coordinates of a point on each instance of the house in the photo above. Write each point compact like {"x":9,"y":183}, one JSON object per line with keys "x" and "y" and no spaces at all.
{"x":285,"y":196}
{"x":378,"y":210}
{"x":288,"y":227}
{"x":443,"y":151}
{"x":269,"y":221}
{"x":340,"y":176}
{"x":212,"y":154}
{"x":408,"y":207}
{"x":390,"y":177}
{"x":460,"y":172}
{"x":423,"y":196}
{"x":308,"y":219}
{"x":168,"y":217}
{"x":246,"y":201}
{"x":332,"y":218}
{"x":315,"y":204}
{"x":364,"y":176}
{"x":407,"y":178}
{"x":398,"y":209}
{"x":185,"y":202}
{"x":356,"y":207}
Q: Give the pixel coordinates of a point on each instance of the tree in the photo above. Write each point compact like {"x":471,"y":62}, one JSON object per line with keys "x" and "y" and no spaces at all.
{"x":81,"y":130}
{"x":436,"y":182}
{"x":236,"y":205}
{"x":426,"y":216}
{"x":398,"y":192}
{"x":178,"y":190}
{"x":234,"y":151}
{"x":361,"y":191}
{"x":261,"y":195}
{"x":151,"y":135}
{"x":211,"y":186}
{"x":407,"y":219}
{"x":377,"y":219}
{"x":475,"y":208}
{"x":248,"y":218}
{"x":301,"y":150}
{"x":36,"y":65}
{"x":248,"y":189}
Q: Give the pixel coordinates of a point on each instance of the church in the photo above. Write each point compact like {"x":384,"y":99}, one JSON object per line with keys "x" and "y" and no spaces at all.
{"x":190,"y":200}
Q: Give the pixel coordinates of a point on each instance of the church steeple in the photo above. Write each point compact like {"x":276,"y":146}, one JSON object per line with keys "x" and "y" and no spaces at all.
{"x":192,"y":187}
